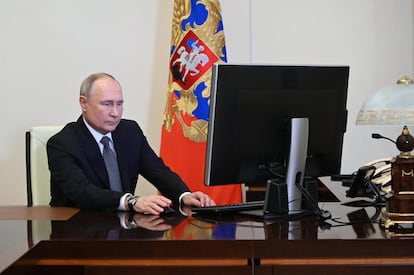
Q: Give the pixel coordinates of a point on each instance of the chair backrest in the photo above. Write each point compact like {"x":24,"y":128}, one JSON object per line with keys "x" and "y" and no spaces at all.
{"x":37,"y":169}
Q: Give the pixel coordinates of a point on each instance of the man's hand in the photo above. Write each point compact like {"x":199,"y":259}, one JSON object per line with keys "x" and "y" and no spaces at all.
{"x":198,"y":199}
{"x":151,"y":222}
{"x":153,"y":204}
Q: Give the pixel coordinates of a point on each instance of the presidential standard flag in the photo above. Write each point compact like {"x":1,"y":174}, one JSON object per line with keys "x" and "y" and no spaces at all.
{"x":197,"y":43}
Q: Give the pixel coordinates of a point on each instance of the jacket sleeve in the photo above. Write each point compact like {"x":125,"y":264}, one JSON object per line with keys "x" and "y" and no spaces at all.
{"x":143,"y":158}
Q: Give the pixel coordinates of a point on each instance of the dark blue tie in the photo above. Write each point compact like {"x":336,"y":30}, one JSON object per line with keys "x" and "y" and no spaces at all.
{"x":111,"y":165}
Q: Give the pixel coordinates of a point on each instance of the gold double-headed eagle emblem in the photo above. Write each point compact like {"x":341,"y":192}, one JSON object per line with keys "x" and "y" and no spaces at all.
{"x":196,"y":47}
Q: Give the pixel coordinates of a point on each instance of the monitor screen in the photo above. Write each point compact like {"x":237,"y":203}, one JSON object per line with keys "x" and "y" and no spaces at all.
{"x":251,"y":107}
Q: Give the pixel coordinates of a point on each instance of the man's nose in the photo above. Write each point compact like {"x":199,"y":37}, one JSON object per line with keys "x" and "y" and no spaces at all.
{"x":116,"y":110}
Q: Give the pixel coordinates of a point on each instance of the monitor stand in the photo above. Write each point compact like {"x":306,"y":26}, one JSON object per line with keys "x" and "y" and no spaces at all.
{"x":299,"y":134}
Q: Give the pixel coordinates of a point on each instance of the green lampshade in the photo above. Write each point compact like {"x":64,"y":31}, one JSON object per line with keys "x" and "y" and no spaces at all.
{"x":390,"y":105}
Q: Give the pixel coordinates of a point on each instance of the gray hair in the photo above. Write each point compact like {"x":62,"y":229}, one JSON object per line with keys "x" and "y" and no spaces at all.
{"x":87,"y":83}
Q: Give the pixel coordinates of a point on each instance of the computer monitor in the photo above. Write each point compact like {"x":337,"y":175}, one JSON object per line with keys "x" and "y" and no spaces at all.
{"x":251,"y":110}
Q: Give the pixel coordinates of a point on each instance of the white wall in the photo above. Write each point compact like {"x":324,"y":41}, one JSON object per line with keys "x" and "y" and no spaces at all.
{"x":47,"y":47}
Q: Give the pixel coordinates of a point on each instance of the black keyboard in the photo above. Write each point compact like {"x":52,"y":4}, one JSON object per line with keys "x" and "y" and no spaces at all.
{"x":230,"y":208}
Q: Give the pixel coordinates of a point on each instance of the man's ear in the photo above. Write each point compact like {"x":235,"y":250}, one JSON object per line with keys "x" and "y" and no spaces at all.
{"x":83,"y":102}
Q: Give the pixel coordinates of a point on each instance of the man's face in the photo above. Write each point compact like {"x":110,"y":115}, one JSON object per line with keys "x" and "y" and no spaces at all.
{"x":103,"y":108}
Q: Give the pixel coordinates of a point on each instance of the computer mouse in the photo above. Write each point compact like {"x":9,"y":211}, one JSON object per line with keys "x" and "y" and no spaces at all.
{"x":167,"y":211}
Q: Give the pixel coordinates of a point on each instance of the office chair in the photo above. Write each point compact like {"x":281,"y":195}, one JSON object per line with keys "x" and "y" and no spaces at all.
{"x":37,"y":169}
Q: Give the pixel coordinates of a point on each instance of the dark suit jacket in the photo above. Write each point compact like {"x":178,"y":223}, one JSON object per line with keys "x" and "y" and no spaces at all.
{"x":78,"y":173}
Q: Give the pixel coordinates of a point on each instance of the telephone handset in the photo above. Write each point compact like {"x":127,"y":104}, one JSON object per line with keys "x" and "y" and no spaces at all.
{"x":360,"y":186}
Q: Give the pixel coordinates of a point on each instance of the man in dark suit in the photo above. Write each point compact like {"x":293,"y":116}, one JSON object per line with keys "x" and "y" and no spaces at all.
{"x":79,"y":175}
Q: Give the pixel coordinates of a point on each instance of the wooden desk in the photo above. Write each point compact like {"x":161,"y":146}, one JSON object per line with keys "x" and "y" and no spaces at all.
{"x":36,"y":213}
{"x":93,"y":242}
{"x":68,"y":241}
{"x":14,"y":234}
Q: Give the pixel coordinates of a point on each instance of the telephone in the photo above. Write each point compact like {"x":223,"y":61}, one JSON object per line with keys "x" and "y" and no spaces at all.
{"x":372,"y":180}
{"x":382,"y":174}
{"x":362,"y":186}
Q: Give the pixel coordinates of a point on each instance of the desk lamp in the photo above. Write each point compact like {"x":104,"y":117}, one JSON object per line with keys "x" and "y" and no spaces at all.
{"x":395,"y":105}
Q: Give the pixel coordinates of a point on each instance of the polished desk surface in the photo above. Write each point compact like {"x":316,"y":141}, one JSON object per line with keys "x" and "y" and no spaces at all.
{"x":30,"y":234}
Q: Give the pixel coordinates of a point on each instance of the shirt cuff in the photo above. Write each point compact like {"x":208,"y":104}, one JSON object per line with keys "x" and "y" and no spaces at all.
{"x":182,"y":195}
{"x":121,"y":205}
{"x":122,"y":217}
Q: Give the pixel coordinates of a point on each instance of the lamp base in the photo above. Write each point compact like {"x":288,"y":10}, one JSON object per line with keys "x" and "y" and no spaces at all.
{"x":401,"y":205}
{"x":400,"y":201}
{"x":393,"y":224}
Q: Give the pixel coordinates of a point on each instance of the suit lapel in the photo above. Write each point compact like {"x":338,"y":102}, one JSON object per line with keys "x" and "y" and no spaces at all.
{"x":93,"y":153}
